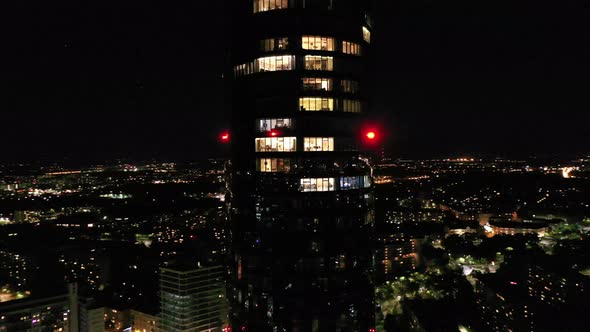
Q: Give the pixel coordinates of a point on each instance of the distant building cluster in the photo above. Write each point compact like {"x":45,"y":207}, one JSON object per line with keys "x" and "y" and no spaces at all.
{"x":487,"y":248}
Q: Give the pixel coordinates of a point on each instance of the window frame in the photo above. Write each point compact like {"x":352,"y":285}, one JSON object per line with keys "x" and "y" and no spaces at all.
{"x":318,"y":43}
{"x":318,"y":144}
{"x":312,"y":84}
{"x":261,"y":6}
{"x":275,"y":144}
{"x":273,"y":123}
{"x":326,"y":63}
{"x":317,"y":184}
{"x":273,"y":165}
{"x":316,"y":104}
{"x":351,"y":48}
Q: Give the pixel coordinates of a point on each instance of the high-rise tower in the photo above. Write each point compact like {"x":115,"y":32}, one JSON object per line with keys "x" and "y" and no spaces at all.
{"x":192,"y":299}
{"x":301,"y":193}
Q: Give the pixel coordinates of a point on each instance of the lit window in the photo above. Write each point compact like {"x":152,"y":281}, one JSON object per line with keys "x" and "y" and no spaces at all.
{"x":367,"y":34}
{"x":317,"y":84}
{"x":276,"y":144}
{"x":245,"y":69}
{"x":267,"y":165}
{"x":355,"y":182}
{"x":267,"y":44}
{"x":317,"y":144}
{"x":270,"y":63}
{"x":275,"y":63}
{"x":352,"y":106}
{"x":282,"y":43}
{"x":274,"y":44}
{"x":349,"y":86}
{"x":315,"y":62}
{"x":266,"y":5}
{"x":351,"y":48}
{"x":317,"y":43}
{"x":316,"y":104}
{"x":317,"y":184}
{"x":270,"y":124}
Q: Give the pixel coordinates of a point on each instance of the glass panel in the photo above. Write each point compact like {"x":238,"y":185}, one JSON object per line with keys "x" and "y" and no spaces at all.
{"x":317,"y":144}
{"x":352,"y":106}
{"x":267,"y":165}
{"x":317,"y":43}
{"x":314,"y":62}
{"x":366,"y":35}
{"x":274,"y":63}
{"x":355,"y":182}
{"x":316,"y":104}
{"x":276,"y":144}
{"x":317,"y":84}
{"x":317,"y":185}
{"x":271,"y":63}
{"x":351,"y":48}
{"x":349,"y":86}
{"x":283,"y":43}
{"x":266,"y":5}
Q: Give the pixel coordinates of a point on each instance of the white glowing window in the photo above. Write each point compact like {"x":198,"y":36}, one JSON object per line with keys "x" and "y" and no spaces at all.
{"x":270,"y":124}
{"x":317,"y":184}
{"x":276,"y":144}
{"x":316,"y":62}
{"x":317,"y":43}
{"x":355,"y":182}
{"x":318,"y":144}
{"x":367,"y":35}
{"x":266,"y":5}
{"x":275,"y":63}
{"x":351,"y":48}
{"x":317,"y":84}
{"x":271,"y":165}
{"x":269,"y":63}
{"x":316,"y":104}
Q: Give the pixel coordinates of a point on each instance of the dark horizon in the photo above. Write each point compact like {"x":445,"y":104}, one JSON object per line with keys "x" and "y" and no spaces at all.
{"x":92,"y":82}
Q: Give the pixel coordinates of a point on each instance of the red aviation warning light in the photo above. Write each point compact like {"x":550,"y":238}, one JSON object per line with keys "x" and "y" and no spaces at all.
{"x":371,"y":136}
{"x":273,"y":133}
{"x":224,"y":137}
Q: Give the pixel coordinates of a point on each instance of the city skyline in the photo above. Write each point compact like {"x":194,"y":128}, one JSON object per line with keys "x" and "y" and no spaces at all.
{"x":294,"y":166}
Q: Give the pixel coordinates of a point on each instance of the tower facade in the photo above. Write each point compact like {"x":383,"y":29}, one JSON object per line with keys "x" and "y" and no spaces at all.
{"x":301,"y":207}
{"x":192,"y":299}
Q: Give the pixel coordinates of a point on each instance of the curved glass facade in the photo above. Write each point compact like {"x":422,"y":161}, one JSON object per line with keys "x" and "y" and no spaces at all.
{"x":301,"y":195}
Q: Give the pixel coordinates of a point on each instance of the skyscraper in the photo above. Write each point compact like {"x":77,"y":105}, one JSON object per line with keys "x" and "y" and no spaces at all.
{"x":301,"y":192}
{"x":192,"y":299}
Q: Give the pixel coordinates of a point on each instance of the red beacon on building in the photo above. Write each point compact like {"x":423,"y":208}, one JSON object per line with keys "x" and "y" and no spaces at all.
{"x":224,"y":137}
{"x":370,"y":136}
{"x":274,"y":133}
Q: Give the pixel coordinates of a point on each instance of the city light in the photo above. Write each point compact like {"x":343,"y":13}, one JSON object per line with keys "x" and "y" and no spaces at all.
{"x":341,"y":203}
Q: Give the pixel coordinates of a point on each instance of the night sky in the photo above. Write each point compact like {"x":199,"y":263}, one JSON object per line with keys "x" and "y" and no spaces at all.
{"x":143,"y":79}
